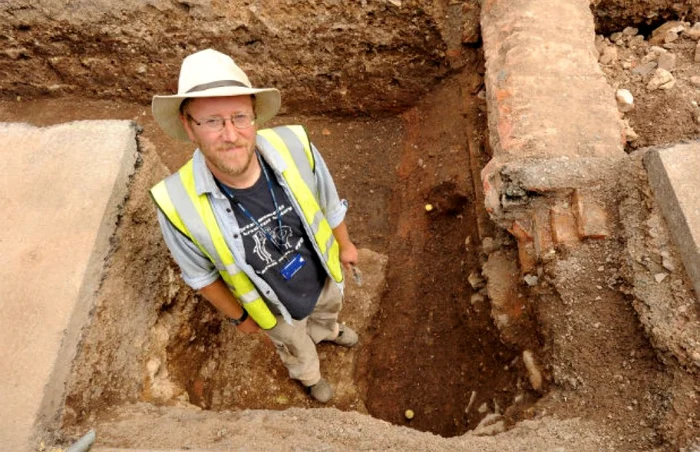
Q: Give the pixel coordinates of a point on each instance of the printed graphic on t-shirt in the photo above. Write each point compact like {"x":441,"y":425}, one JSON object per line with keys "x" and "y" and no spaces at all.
{"x":285,"y":246}
{"x":296,"y":286}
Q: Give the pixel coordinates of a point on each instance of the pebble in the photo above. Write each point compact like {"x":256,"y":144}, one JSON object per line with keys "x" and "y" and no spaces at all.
{"x":533,"y":370}
{"x":660,"y":277}
{"x":667,"y":61}
{"x":625,"y":100}
{"x":635,"y":42}
{"x":477,"y":298}
{"x":668,"y":264}
{"x":695,"y":81}
{"x":662,"y":79}
{"x":630,"y":134}
{"x":476,"y":280}
{"x":530,"y":280}
{"x":609,"y":55}
{"x":630,"y":31}
{"x":644,"y":69}
{"x":657,"y":50}
{"x":693,"y":32}
{"x":472,"y":399}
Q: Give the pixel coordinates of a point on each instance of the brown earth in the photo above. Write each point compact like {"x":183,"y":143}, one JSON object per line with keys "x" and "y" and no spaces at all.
{"x":433,"y":342}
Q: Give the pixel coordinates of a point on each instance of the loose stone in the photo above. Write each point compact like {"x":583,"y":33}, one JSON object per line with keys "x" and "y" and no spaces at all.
{"x":644,"y":69}
{"x":693,"y":32}
{"x":659,"y":277}
{"x":630,"y":31}
{"x":533,"y":370}
{"x":530,"y":280}
{"x":609,"y":55}
{"x":662,"y":79}
{"x":667,"y":61}
{"x":476,"y":280}
{"x":625,"y":100}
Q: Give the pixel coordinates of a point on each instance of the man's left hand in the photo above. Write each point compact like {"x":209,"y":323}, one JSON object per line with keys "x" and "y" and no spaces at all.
{"x":348,"y":255}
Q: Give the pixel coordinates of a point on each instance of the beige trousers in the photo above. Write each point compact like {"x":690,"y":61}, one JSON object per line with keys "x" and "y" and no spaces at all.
{"x":296,"y":343}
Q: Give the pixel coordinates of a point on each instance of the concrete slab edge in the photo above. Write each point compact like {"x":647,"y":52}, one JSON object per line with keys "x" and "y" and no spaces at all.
{"x":663,"y":189}
{"x":54,"y":393}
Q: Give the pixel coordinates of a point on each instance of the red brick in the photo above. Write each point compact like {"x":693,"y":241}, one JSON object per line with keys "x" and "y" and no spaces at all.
{"x":521,"y":230}
{"x":542,"y":232}
{"x":563,"y":224}
{"x":527,"y":256}
{"x":592,"y":219}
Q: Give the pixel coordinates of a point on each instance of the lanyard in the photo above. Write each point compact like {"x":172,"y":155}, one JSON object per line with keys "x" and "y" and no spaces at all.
{"x":227,"y":191}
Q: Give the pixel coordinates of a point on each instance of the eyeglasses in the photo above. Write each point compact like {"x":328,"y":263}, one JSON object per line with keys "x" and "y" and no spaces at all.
{"x":216,"y":124}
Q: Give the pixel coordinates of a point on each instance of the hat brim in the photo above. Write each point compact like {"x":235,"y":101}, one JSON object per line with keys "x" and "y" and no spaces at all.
{"x":166,"y":109}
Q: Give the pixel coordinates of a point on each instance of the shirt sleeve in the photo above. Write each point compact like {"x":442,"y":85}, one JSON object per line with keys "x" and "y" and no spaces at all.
{"x":197,"y":270}
{"x":332,"y":206}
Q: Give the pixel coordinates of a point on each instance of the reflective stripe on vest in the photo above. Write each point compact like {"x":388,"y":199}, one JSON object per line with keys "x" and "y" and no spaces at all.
{"x":193,"y":216}
{"x":320,"y":229}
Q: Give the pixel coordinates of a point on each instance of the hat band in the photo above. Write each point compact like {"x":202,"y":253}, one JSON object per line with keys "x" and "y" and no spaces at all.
{"x":217,"y":84}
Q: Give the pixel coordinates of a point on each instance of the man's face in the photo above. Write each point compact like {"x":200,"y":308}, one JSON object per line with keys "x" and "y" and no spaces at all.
{"x":230,"y":151}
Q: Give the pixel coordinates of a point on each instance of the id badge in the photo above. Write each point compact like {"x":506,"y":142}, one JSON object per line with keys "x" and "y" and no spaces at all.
{"x":293,"y":266}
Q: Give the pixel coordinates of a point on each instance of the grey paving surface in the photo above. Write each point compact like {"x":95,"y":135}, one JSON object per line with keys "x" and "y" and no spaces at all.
{"x":59,"y":195}
{"x":674,"y":176}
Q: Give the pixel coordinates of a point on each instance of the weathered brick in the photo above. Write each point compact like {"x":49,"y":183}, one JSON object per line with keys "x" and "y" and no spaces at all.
{"x":591,"y":218}
{"x":542,"y":232}
{"x":563,"y":224}
{"x":522,"y":230}
{"x":527,"y":256}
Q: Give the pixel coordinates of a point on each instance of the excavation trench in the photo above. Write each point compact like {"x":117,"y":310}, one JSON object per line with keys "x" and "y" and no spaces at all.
{"x":429,"y":343}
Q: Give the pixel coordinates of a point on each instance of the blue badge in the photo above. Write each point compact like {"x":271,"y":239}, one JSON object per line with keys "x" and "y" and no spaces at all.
{"x":293,"y":266}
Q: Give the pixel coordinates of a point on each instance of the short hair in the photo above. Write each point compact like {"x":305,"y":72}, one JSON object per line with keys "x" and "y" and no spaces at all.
{"x":184,"y":104}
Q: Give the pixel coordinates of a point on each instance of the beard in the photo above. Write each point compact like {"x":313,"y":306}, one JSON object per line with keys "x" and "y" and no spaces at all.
{"x":232,"y":167}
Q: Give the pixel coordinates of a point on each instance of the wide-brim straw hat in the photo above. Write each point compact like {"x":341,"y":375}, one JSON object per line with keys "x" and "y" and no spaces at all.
{"x":209,"y":73}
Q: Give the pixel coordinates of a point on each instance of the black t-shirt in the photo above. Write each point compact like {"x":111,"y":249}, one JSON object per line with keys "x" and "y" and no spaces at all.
{"x":300,"y":293}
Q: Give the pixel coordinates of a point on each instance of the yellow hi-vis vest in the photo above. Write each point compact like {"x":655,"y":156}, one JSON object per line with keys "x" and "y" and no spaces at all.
{"x":192,"y":215}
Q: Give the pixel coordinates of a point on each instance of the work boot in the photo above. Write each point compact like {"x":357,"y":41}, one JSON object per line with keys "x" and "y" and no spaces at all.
{"x":347,"y":337}
{"x":321,"y":391}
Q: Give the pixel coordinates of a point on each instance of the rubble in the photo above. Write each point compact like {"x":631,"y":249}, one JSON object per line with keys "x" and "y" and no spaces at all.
{"x":662,"y":79}
{"x":625,"y":100}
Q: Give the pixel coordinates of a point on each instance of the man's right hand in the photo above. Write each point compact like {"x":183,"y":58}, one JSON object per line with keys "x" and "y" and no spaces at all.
{"x":248,"y":326}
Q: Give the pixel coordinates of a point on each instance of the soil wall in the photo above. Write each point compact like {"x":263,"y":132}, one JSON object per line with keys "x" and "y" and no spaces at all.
{"x":325,"y":55}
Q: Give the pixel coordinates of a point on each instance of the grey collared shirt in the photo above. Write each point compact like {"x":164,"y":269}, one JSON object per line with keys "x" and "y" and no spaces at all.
{"x":198,"y":271}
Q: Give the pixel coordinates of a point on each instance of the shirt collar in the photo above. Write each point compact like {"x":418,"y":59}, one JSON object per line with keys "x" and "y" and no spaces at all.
{"x":203,"y":178}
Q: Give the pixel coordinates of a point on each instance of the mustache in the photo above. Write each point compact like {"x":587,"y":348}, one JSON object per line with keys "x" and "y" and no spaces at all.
{"x":232,"y":144}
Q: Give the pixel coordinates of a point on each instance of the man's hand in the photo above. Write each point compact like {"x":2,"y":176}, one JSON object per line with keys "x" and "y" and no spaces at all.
{"x":348,"y":251}
{"x":348,"y":255}
{"x":248,"y":326}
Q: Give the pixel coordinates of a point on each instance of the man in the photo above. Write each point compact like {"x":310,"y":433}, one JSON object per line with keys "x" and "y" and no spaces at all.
{"x":254,"y":220}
